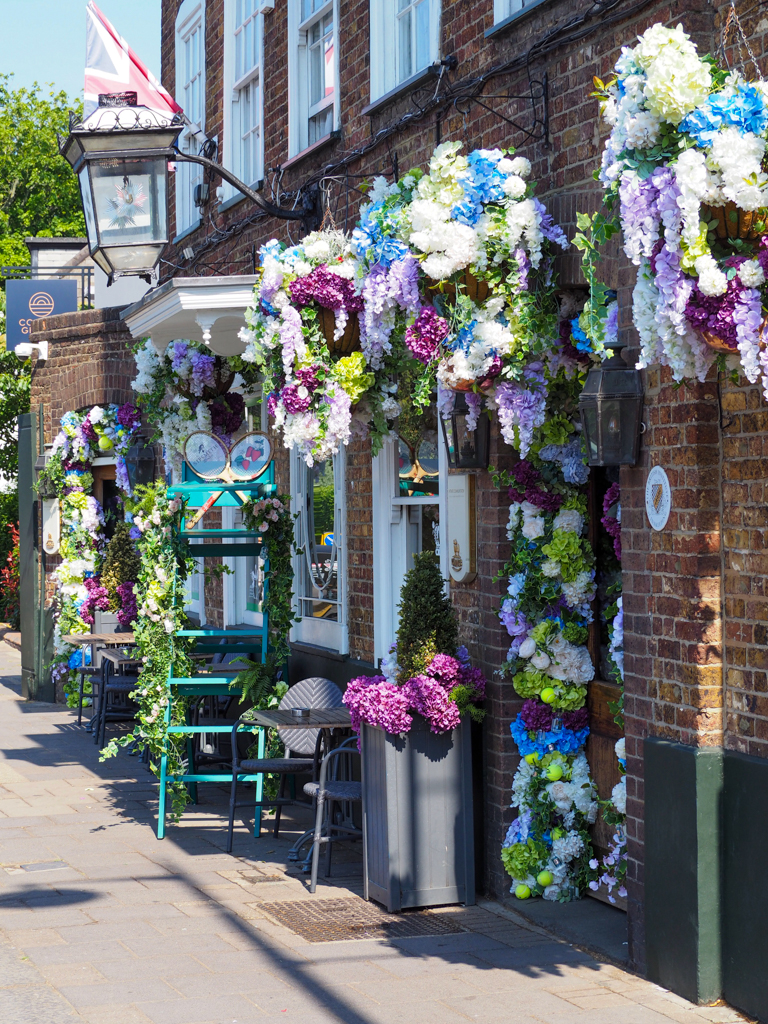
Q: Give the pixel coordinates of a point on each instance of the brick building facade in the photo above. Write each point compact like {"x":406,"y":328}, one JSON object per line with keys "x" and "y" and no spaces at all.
{"x":695,"y":597}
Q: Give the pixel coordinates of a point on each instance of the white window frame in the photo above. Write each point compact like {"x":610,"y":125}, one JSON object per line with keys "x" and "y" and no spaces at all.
{"x":390,"y":540}
{"x":385,"y":77}
{"x":232,"y":100}
{"x":320,"y":632}
{"x":298,"y":74}
{"x":190,"y":18}
{"x":196,"y":607}
{"x":503,"y":9}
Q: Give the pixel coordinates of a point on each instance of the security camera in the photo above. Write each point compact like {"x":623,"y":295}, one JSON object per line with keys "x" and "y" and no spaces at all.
{"x":25,"y":349}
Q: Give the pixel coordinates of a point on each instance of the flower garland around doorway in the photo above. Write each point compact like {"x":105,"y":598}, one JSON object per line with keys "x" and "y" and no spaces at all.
{"x":84,"y":437}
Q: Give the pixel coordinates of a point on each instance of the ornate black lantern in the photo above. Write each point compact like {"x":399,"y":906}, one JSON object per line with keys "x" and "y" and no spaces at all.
{"x":120,"y":154}
{"x":467,"y":449}
{"x":140,"y":463}
{"x":611,"y":407}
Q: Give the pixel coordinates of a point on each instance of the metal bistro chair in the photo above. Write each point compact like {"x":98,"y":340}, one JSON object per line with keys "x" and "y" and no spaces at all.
{"x":328,"y":792}
{"x":314,"y":692}
{"x":115,"y":686}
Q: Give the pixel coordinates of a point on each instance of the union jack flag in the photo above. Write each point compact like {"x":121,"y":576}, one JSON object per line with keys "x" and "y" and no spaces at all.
{"x":112,"y":66}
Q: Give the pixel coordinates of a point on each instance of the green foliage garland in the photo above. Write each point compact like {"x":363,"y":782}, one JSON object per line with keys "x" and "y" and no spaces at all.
{"x":272,"y":518}
{"x":165,"y":565}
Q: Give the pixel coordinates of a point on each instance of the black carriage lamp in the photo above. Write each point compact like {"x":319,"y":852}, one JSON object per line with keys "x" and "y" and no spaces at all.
{"x":611,"y":407}
{"x":140,"y":463}
{"x":120,"y":154}
{"x":467,"y":449}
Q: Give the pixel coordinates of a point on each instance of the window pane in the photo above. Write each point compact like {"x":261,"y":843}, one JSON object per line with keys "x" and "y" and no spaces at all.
{"x":239,"y":62}
{"x":404,"y":46}
{"x":245,"y":105}
{"x":239,"y":16}
{"x":319,"y":586}
{"x":306,"y":9}
{"x":330,"y":73}
{"x":422,"y":35}
{"x":248,"y":45}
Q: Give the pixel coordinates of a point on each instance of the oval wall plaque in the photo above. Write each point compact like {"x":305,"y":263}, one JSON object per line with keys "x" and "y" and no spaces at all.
{"x":658,"y":498}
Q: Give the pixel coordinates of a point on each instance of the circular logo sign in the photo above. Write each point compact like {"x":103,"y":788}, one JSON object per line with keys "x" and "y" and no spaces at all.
{"x":41,"y":304}
{"x":205,"y":454}
{"x":658,"y":498}
{"x":250,"y":456}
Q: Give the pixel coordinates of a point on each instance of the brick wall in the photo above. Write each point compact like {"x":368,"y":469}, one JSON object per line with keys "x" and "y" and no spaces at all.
{"x":709,"y":566}
{"x":89,"y":363}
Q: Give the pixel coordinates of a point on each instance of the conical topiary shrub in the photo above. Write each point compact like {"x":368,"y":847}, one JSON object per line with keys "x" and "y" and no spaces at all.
{"x":121,"y":564}
{"x":427,"y":620}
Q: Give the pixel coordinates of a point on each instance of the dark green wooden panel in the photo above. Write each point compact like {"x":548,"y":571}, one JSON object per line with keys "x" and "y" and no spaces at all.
{"x":745,"y":904}
{"x":683,"y":791}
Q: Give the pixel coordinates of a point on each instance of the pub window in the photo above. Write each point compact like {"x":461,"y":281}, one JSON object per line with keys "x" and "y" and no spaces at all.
{"x":405,"y":39}
{"x":313,"y":71}
{"x":190,"y":90}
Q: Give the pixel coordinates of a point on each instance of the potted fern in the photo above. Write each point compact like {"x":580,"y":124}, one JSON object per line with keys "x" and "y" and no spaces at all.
{"x":413,"y":723}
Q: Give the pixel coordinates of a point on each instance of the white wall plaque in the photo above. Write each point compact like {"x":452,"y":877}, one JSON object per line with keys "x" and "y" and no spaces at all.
{"x":51,"y":526}
{"x":461,"y":535}
{"x":658,"y":498}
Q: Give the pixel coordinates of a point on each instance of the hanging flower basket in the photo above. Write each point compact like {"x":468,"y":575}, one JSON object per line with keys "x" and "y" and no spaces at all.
{"x":733,"y":222}
{"x":718,"y":344}
{"x":451,"y":382}
{"x":349,"y":341}
{"x":222,"y":380}
{"x":477,"y":290}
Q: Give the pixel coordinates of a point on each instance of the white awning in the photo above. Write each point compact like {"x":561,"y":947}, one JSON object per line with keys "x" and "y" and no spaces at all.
{"x":207,"y":309}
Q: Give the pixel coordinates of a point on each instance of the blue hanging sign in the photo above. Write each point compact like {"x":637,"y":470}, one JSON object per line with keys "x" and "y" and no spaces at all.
{"x":27,"y":301}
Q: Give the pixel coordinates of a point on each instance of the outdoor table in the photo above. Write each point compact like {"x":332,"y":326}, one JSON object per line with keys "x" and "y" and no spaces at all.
{"x":319,"y":718}
{"x":94,"y":640}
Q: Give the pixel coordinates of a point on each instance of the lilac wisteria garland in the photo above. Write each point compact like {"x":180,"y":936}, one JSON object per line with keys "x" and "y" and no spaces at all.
{"x":683,"y":174}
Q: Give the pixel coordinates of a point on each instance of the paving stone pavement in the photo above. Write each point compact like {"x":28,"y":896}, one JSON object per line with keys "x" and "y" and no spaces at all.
{"x":101,"y":923}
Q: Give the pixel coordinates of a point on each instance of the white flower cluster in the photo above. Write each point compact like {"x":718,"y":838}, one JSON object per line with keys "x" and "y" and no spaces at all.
{"x":739,"y":160}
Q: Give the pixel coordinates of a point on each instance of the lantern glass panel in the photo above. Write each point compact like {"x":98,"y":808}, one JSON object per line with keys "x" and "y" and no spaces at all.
{"x":589,"y":421}
{"x":129,"y":199}
{"x":611,"y":430}
{"x":138,"y":258}
{"x":90,"y":214}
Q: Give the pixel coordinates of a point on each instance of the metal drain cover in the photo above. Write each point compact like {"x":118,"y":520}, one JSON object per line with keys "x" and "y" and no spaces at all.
{"x":344,"y":919}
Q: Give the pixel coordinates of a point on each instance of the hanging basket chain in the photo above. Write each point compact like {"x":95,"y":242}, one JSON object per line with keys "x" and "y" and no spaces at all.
{"x":742,"y":42}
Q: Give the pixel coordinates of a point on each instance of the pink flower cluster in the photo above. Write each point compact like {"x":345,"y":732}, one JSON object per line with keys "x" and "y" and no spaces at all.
{"x":425,"y":334}
{"x":326,"y":289}
{"x":98,"y":597}
{"x":612,"y":523}
{"x":375,"y":701}
{"x":128,"y":610}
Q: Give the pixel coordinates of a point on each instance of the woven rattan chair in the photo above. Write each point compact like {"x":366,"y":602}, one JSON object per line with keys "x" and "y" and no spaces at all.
{"x":314,"y":692}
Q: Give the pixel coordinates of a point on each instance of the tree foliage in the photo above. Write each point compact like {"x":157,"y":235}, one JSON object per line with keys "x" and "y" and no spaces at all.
{"x":39,"y":194}
{"x":14,"y":400}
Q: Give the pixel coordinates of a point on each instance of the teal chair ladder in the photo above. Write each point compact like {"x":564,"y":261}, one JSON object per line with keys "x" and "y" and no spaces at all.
{"x":231,"y":543}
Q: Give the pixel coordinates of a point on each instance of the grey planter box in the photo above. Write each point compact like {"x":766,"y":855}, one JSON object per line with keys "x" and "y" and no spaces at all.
{"x":417,"y":799}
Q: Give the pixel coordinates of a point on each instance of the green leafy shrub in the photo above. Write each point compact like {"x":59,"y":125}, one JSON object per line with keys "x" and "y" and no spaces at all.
{"x":427,"y":620}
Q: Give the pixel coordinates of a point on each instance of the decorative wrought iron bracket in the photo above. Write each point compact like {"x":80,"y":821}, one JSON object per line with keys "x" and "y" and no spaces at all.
{"x":537,"y":98}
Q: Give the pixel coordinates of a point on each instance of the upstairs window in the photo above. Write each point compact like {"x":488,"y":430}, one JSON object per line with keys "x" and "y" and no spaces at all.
{"x":313,"y":71}
{"x":503,"y":9}
{"x":243,"y":136}
{"x":190,"y":92}
{"x":405,"y":39}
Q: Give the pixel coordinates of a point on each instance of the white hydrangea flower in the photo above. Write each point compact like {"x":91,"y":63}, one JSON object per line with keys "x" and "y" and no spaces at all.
{"x":751,"y":274}
{"x":712,"y":281}
{"x":569,"y":521}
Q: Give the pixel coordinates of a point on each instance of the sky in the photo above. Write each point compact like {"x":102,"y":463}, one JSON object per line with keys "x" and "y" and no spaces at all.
{"x":44,"y":40}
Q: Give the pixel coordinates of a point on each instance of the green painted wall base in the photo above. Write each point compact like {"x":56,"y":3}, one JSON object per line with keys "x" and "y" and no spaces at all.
{"x":683,"y":797}
{"x":745,"y":893}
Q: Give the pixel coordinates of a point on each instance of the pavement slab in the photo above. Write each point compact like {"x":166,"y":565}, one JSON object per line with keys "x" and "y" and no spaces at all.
{"x":102,"y":924}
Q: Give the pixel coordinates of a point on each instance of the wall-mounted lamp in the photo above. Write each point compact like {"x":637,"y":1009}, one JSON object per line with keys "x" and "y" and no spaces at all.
{"x":611,"y":407}
{"x":467,"y":449}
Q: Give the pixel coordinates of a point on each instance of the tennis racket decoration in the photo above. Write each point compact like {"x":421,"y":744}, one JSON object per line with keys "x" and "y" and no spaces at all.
{"x":208,"y":457}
